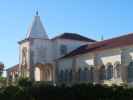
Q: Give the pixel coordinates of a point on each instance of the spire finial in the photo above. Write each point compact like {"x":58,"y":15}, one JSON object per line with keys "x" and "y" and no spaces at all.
{"x":37,"y":13}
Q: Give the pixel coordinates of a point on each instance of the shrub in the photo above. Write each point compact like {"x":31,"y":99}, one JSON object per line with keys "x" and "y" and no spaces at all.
{"x":26,"y":90}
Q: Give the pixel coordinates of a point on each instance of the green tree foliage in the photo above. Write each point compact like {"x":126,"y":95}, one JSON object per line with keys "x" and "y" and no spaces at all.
{"x":24,"y":82}
{"x":1,"y":68}
{"x":3,"y":81}
{"x":26,"y":90}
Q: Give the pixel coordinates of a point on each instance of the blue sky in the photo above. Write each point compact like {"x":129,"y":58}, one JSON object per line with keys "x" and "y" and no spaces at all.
{"x":91,"y":18}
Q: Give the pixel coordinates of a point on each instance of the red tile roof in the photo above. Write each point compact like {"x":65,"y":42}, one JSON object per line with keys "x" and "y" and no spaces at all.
{"x":74,"y":36}
{"x":102,"y":45}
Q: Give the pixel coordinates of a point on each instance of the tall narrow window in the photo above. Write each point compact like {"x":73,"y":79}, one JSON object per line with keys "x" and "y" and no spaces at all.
{"x":66,"y":75}
{"x":79,"y":71}
{"x":63,"y":49}
{"x":130,"y":72}
{"x":70,"y":75}
{"x":24,"y":62}
{"x":80,"y":74}
{"x":102,"y":73}
{"x":91,"y":74}
{"x":61,"y":75}
{"x":109,"y":71}
{"x":86,"y":74}
{"x":117,"y":71}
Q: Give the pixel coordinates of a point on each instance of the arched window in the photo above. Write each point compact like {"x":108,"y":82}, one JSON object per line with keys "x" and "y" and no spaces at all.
{"x":102,"y":72}
{"x":86,"y":72}
{"x":70,"y":75}
{"x":81,"y":74}
{"x":109,"y":71}
{"x":117,"y":71}
{"x":91,"y":74}
{"x":47,"y":76}
{"x":63,"y":49}
{"x":66,"y":75}
{"x":61,"y":75}
{"x":130,"y":72}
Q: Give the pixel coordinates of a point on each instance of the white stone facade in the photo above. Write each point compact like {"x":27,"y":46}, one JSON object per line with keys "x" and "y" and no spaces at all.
{"x":40,"y":59}
{"x":122,"y":56}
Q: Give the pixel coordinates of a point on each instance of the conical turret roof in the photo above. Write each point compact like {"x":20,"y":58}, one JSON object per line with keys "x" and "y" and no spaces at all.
{"x":36,"y":29}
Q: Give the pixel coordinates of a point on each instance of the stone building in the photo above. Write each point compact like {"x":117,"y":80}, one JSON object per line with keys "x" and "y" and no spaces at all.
{"x":71,"y":57}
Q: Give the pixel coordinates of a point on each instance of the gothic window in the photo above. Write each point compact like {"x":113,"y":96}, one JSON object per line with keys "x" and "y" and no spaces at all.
{"x":117,"y":71}
{"x":82,"y":74}
{"x":63,"y":49}
{"x":79,"y":74}
{"x":41,"y":53}
{"x":24,"y":55}
{"x":31,"y":57}
{"x":61,"y":75}
{"x":47,"y":75}
{"x":86,"y":74}
{"x":102,"y":73}
{"x":24,"y":62}
{"x":130,"y":72}
{"x":109,"y":71}
{"x":66,"y":75}
{"x":91,"y":74}
{"x":70,"y":75}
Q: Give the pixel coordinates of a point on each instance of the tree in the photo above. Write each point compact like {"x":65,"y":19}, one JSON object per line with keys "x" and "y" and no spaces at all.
{"x":24,"y":82}
{"x":1,"y":68}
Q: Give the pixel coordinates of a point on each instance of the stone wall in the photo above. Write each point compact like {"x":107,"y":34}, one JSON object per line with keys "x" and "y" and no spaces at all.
{"x":121,"y":55}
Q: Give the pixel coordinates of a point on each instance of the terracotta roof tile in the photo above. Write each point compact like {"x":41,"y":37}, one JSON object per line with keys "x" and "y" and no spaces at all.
{"x":102,"y":45}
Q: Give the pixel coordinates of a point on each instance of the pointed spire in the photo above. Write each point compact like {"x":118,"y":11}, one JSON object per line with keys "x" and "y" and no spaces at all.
{"x":36,"y":29}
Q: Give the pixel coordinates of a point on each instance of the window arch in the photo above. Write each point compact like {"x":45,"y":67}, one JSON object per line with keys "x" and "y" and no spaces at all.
{"x":70,"y":75}
{"x":47,"y":75}
{"x":117,"y":71}
{"x":109,"y":71}
{"x":66,"y":75}
{"x":63,"y":49}
{"x":102,"y":72}
{"x":130,"y":72}
{"x":61,"y":75}
{"x":24,"y":56}
{"x":81,"y":74}
{"x":86,"y":74}
{"x":91,"y":74}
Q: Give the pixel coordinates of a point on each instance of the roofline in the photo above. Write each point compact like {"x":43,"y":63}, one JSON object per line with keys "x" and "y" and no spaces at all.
{"x":71,"y":40}
{"x":65,"y":56}
{"x":26,"y":39}
{"x":57,"y":37}
{"x":12,"y":67}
